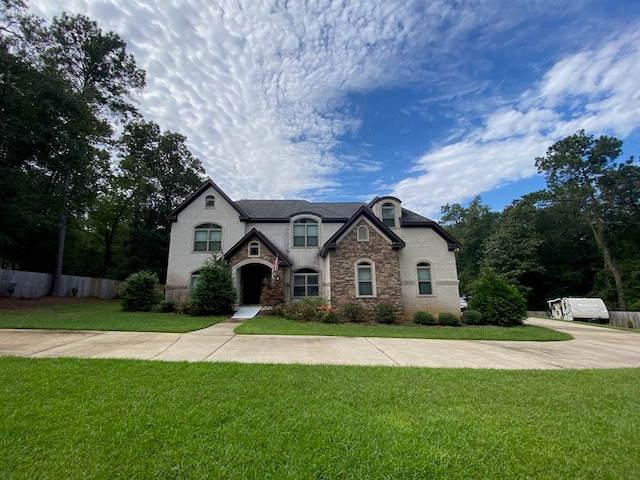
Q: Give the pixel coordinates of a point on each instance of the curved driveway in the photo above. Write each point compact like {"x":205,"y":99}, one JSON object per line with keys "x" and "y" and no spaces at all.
{"x":593,"y":347}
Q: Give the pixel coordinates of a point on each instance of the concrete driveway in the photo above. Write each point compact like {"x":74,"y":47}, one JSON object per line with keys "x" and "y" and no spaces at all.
{"x":593,"y":347}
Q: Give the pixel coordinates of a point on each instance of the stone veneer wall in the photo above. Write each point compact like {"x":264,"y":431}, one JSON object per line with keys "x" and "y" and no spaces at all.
{"x":387,"y":270}
{"x":243,"y":254}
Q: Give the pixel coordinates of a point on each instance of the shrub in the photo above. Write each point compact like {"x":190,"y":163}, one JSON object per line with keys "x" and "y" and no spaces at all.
{"x":272,"y":291}
{"x":166,"y":306}
{"x":213,"y":292}
{"x":472,"y":317}
{"x":328,"y":315}
{"x":139,"y":292}
{"x":280,"y":310}
{"x":424,"y":318}
{"x":352,"y":312}
{"x":385,"y":313}
{"x":306,"y":309}
{"x":449,"y":319}
{"x":500,"y":303}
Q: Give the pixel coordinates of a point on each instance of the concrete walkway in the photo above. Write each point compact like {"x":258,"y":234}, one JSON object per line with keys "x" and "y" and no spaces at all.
{"x":593,"y":347}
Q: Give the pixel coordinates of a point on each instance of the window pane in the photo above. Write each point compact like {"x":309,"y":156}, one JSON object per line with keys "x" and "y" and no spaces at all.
{"x":298,"y":241}
{"x":298,"y":230}
{"x":215,"y":235}
{"x":312,"y":230}
{"x":312,"y":241}
{"x":364,"y":274}
{"x":215,"y":246}
{"x":365,"y":288}
{"x":298,"y":280}
{"x":200,"y":246}
{"x":424,"y":288}
{"x":424,"y":275}
{"x":312,"y":279}
{"x":312,"y":291}
{"x":389,"y":222}
{"x":201,"y":236}
{"x":298,"y":291}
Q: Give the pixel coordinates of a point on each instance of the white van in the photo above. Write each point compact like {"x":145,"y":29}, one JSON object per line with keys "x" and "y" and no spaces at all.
{"x":582,"y":309}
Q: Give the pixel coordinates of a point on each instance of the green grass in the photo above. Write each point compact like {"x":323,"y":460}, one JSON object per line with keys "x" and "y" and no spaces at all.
{"x":72,"y":419}
{"x":101,"y":316}
{"x":280,"y":326}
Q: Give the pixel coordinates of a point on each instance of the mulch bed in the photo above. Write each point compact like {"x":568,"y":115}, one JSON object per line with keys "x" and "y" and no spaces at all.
{"x":14,"y":303}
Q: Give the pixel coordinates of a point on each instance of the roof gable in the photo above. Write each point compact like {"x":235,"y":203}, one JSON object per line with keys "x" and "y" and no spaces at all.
{"x":173,"y":216}
{"x":257,"y":234}
{"x":363,"y":211}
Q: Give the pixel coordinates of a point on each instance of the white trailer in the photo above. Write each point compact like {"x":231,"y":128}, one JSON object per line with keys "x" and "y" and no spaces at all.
{"x":582,"y":309}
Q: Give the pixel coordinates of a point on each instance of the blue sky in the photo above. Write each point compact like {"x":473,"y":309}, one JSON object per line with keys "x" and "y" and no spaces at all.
{"x":431,"y":101}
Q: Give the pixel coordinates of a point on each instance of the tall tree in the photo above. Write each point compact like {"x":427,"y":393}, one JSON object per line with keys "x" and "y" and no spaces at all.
{"x":159,"y":172}
{"x":573,"y":168}
{"x":101,"y":74}
{"x":471,"y":226}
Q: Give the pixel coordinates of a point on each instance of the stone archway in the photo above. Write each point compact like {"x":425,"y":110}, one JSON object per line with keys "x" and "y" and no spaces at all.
{"x":251,"y":277}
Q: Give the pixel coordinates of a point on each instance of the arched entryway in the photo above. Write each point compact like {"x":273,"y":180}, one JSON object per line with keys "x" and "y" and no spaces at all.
{"x":251,"y":277}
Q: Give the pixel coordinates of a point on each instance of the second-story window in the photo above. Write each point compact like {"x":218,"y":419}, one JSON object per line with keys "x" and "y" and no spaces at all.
{"x":389,"y":215}
{"x":305,"y":233}
{"x":254,"y":249}
{"x":210,"y":201}
{"x":208,"y":238}
{"x":363,"y":233}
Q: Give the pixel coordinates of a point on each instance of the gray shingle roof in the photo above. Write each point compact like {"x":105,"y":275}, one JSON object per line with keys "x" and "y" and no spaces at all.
{"x":284,"y":209}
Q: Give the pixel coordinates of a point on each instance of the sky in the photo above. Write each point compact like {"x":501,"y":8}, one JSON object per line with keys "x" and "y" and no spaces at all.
{"x":430,"y":101}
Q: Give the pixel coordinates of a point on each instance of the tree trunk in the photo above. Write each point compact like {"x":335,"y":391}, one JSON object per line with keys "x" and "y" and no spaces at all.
{"x":62,"y":232}
{"x":609,"y":263}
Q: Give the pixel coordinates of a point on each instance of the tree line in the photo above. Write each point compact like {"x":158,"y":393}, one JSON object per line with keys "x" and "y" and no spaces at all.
{"x":580,"y":236}
{"x":86,"y":182}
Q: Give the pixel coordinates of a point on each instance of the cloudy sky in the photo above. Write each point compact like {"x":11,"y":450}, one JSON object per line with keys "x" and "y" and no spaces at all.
{"x":433,"y":101}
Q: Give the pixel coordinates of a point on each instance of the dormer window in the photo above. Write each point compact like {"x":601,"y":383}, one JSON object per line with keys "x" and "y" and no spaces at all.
{"x":305,"y":233}
{"x":389,"y":215}
{"x":210,"y":201}
{"x":254,"y":249}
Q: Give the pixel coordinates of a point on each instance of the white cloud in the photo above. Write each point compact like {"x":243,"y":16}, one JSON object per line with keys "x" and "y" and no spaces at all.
{"x":594,"y":90}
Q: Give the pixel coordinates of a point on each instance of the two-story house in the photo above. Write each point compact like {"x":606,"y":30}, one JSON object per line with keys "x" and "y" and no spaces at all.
{"x":342,"y":251}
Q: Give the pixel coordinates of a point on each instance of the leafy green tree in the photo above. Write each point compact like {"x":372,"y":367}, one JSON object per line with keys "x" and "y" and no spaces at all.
{"x":139,"y":292}
{"x":213,"y":292}
{"x":471,"y":226}
{"x":574,"y":167}
{"x":158,"y":174}
{"x":513,"y":249}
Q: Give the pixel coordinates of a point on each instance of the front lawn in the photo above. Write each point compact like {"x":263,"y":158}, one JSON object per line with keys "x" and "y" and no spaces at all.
{"x":279,"y":326}
{"x":76,"y":418}
{"x":101,"y":316}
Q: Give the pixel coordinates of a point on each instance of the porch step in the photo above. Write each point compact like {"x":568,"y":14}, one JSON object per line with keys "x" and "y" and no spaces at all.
{"x":247,"y":312}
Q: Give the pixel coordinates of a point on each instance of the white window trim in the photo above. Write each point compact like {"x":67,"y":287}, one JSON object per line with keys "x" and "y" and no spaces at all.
{"x":206,"y":202}
{"x":249,"y":254}
{"x":372,"y":264}
{"x":431,"y":276}
{"x":364,"y":238}
{"x":395,"y":213}
{"x":306,"y":285}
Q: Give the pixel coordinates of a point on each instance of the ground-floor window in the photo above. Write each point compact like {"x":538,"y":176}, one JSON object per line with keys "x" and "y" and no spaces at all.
{"x":306,"y":283}
{"x":365,"y":283}
{"x":424,"y":279}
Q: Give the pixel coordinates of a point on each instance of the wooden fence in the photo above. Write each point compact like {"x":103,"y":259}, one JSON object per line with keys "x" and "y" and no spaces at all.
{"x":617,"y":319}
{"x":16,"y":283}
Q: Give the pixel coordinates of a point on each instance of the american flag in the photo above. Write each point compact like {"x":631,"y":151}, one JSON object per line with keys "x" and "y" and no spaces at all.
{"x":275,"y":264}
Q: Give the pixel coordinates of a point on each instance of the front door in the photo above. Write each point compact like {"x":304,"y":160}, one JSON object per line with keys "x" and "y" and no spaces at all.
{"x":252,"y":278}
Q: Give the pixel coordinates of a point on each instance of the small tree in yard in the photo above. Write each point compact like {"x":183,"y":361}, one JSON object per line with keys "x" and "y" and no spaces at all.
{"x":213,"y":292}
{"x":272,"y":293}
{"x":139,"y":292}
{"x":500,"y":303}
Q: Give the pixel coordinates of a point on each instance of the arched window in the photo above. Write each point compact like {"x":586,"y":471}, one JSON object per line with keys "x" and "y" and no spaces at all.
{"x":210,"y":201}
{"x":389,"y":215}
{"x":365,"y":279}
{"x":306,"y":283}
{"x":305,"y":233}
{"x":424,"y":279}
{"x":363,"y":233}
{"x":208,"y":238}
{"x":254,"y":249}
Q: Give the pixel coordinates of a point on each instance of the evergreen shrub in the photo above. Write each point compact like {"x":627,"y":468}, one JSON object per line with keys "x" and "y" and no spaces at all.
{"x":500,"y":303}
{"x":449,"y":319}
{"x":139,"y":292}
{"x":385,"y":313}
{"x":472,"y":317}
{"x":213,"y":292}
{"x":424,"y":318}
